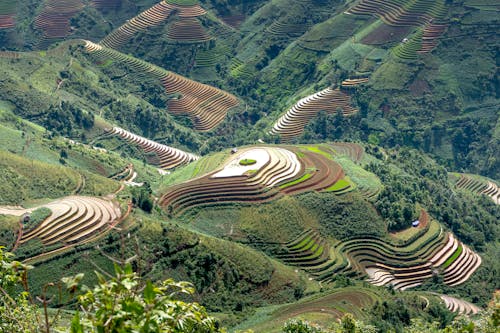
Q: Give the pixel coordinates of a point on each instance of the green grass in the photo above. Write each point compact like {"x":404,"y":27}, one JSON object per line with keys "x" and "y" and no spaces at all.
{"x":362,"y":178}
{"x":9,"y":226}
{"x":408,"y":233}
{"x":302,"y":244}
{"x":334,"y":304}
{"x":331,"y":33}
{"x":247,"y":161}
{"x":339,"y":185}
{"x":451,"y":259}
{"x":197,"y":168}
{"x":286,"y":214}
{"x":392,"y":74}
{"x":22,"y":179}
{"x":39,"y":215}
{"x":297,"y":181}
{"x":318,"y":150}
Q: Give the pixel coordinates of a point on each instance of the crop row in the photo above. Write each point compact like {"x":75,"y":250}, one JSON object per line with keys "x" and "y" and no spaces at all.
{"x":279,"y":172}
{"x":207,"y":106}
{"x":8,"y":11}
{"x":55,"y":17}
{"x":105,"y":4}
{"x":151,"y":17}
{"x":401,"y":12}
{"x":187,"y":30}
{"x":292,"y":123}
{"x":349,"y":83}
{"x":460,"y":306}
{"x":73,"y":219}
{"x":478,"y":185}
{"x":430,"y":36}
{"x":408,"y":48}
{"x":401,"y":266}
{"x":280,"y":28}
{"x":168,"y":157}
{"x":211,"y":57}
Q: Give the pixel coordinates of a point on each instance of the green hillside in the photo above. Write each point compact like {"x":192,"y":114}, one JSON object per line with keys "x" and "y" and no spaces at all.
{"x":294,"y":160}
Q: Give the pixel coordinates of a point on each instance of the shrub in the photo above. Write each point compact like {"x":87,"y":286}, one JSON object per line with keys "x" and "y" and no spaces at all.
{"x":39,"y":215}
{"x":247,"y":161}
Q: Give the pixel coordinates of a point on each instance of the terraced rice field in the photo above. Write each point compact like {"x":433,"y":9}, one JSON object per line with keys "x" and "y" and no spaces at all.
{"x":352,"y":150}
{"x":167,"y":157}
{"x":460,"y":306}
{"x":402,"y":265}
{"x":311,"y":253}
{"x":350,"y":83}
{"x":287,"y":29}
{"x":401,"y":12}
{"x":405,"y":270}
{"x":8,"y":11}
{"x":54,"y":19}
{"x":430,"y":36}
{"x":323,"y":308}
{"x":187,"y":28}
{"x":293,"y":122}
{"x":477,"y":185}
{"x":240,"y":69}
{"x":211,"y":57}
{"x":408,"y":49}
{"x":205,"y":105}
{"x":277,"y":171}
{"x":106,"y":4}
{"x":74,"y":219}
{"x":428,"y":15}
{"x":330,"y":153}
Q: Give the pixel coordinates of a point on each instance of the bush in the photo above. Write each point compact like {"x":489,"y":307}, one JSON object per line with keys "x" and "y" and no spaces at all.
{"x":122,"y":303}
{"x":247,"y":161}
{"x":39,"y":215}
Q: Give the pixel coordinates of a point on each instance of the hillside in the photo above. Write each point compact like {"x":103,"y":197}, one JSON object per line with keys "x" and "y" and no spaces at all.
{"x":291,"y":159}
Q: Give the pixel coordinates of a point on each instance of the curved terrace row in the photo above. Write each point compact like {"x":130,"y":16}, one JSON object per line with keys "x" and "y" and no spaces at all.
{"x":401,"y":12}
{"x":401,"y":266}
{"x":73,"y":219}
{"x":272,"y":173}
{"x":151,"y":17}
{"x":55,"y":17}
{"x":292,"y":123}
{"x":168,"y":157}
{"x":478,"y":185}
{"x":207,"y":106}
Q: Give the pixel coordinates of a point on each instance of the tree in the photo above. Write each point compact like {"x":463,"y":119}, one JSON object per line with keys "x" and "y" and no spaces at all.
{"x":119,"y":304}
{"x":17,"y":313}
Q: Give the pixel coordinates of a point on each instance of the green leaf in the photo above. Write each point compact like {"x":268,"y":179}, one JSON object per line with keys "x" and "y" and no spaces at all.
{"x":76,"y":326}
{"x":149,"y":293}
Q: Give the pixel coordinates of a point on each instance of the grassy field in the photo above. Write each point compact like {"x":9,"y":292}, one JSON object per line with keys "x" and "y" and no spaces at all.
{"x":322,"y":308}
{"x":197,"y":168}
{"x":9,"y":226}
{"x":362,"y":178}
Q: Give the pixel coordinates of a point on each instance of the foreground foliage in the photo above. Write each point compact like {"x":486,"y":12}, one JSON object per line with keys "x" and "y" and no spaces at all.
{"x":487,"y":322}
{"x":118,"y":304}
